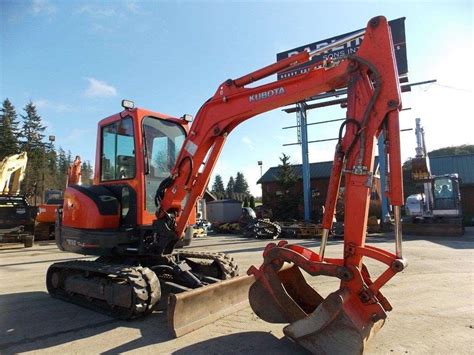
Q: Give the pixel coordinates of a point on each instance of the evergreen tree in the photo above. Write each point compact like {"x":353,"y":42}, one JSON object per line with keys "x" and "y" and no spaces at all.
{"x":62,"y":166}
{"x":87,"y":173}
{"x":246,"y":201}
{"x":8,"y":130}
{"x":51,"y":168}
{"x":230,"y":188}
{"x":33,"y":134}
{"x":218,"y":187}
{"x":33,"y":129}
{"x":252,"y":202}
{"x":241,"y":186}
{"x":286,"y":179}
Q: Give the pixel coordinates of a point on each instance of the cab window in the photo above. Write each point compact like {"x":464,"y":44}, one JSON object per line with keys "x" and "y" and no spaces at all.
{"x":163,"y":141}
{"x":118,"y":152}
{"x":443,"y":188}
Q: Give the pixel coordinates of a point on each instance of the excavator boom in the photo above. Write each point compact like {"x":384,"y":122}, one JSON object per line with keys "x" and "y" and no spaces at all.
{"x":344,"y":320}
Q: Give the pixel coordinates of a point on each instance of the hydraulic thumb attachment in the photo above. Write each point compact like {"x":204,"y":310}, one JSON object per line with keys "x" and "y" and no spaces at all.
{"x":341,"y":323}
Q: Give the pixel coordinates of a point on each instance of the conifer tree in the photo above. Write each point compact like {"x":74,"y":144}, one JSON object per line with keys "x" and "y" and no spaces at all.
{"x":241,"y":186}
{"x":252,"y":202}
{"x":286,"y":179}
{"x":32,"y":133}
{"x":87,"y":173}
{"x":230,"y":188}
{"x":218,"y":187}
{"x":8,"y":130}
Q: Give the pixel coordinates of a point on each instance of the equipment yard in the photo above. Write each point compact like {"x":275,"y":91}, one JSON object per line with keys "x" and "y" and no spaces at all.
{"x":433,"y":300}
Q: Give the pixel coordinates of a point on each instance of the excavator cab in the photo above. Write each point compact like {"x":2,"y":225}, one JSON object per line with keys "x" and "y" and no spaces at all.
{"x":446,"y":195}
{"x":136,"y":150}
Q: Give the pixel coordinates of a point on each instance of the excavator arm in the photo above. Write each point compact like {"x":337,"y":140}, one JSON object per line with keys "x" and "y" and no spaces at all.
{"x":370,"y":75}
{"x":12,"y":166}
{"x":74,"y":172}
{"x":344,"y":320}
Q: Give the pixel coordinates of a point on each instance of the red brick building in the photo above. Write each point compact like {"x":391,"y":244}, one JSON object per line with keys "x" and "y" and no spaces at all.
{"x":319,"y":173}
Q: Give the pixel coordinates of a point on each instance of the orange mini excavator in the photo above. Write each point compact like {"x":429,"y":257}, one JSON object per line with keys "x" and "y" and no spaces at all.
{"x":151,"y":168}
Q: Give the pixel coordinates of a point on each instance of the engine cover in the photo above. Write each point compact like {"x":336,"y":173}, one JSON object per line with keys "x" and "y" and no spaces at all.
{"x":90,"y":207}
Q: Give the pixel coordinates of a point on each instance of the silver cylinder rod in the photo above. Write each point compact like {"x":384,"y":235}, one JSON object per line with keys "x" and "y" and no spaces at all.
{"x":324,"y":240}
{"x":398,"y":232}
{"x":336,"y":43}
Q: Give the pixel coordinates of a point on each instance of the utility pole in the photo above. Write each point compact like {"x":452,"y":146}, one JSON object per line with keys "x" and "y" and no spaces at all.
{"x":305,"y":160}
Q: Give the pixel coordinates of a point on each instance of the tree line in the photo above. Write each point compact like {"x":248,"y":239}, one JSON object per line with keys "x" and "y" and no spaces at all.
{"x":237,"y":188}
{"x":47,"y":165}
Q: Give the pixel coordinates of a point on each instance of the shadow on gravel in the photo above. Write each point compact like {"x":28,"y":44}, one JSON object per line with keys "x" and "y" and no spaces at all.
{"x":26,"y":250}
{"x":33,"y":321}
{"x":458,"y":242}
{"x":244,"y":343}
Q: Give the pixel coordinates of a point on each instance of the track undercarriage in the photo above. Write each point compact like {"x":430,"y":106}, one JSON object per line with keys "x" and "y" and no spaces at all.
{"x":128,"y":288}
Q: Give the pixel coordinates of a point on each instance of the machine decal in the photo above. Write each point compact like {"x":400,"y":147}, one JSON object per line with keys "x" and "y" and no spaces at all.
{"x":191,"y":148}
{"x":266,"y":94}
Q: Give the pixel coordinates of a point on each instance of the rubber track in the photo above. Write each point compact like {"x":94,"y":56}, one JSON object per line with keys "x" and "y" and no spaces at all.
{"x":266,"y":229}
{"x":143,"y":283}
{"x":226,"y":263}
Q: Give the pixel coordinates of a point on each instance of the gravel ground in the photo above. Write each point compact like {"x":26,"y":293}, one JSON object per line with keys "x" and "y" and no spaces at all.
{"x":433,"y":302}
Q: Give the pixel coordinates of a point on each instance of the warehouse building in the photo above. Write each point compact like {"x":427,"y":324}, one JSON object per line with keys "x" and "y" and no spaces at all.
{"x":463,"y":165}
{"x":321,"y":172}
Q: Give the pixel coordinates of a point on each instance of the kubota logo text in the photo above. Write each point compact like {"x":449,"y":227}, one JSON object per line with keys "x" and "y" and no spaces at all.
{"x":266,"y":94}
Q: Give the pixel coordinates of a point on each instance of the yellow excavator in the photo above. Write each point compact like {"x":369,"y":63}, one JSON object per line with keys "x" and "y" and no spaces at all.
{"x":16,"y":214}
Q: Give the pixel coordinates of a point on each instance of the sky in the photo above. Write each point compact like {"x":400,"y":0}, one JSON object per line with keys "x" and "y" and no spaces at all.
{"x":76,"y":60}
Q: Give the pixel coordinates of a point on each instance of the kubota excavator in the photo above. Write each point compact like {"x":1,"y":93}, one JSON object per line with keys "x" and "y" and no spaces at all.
{"x":151,"y":168}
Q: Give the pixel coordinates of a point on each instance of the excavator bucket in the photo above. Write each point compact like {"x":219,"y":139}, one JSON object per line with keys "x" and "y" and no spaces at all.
{"x":330,"y":329}
{"x":194,"y":309}
{"x":420,"y":170}
{"x":337,"y":324}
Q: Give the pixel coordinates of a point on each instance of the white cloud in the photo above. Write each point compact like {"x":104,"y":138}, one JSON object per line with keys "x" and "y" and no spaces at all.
{"x":132,"y":6}
{"x":96,"y":11}
{"x":54,"y":106}
{"x":248,"y":142}
{"x":98,"y":88}
{"x":39,"y":7}
{"x":76,"y":135}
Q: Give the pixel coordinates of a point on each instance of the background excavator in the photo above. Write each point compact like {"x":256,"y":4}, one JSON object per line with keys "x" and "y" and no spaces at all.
{"x":16,"y":214}
{"x":151,"y":168}
{"x":53,"y":199}
{"x":12,"y":173}
{"x":438,"y":210}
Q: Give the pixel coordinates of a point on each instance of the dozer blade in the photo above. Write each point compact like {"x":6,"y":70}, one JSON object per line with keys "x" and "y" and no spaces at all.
{"x":191,"y":310}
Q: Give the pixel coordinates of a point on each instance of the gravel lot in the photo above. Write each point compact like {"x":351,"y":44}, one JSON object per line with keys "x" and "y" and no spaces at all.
{"x":433,"y":301}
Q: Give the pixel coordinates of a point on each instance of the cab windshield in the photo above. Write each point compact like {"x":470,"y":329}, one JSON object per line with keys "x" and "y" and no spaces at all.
{"x":163,"y":141}
{"x":443,"y":188}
